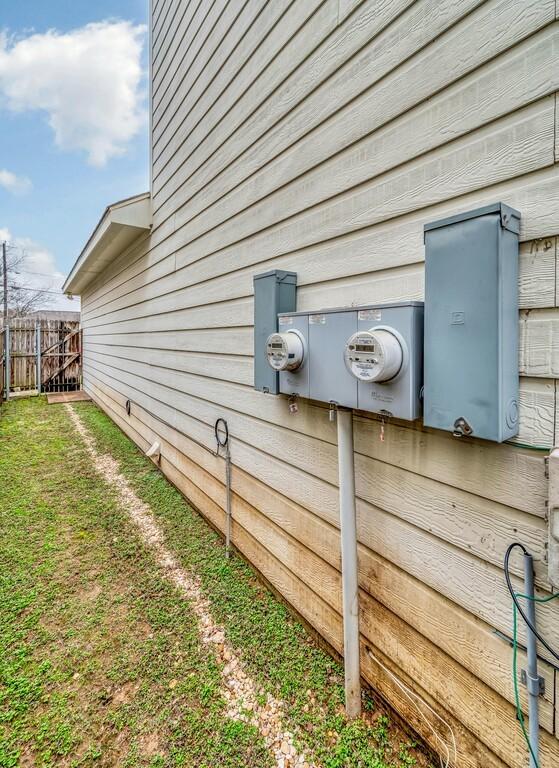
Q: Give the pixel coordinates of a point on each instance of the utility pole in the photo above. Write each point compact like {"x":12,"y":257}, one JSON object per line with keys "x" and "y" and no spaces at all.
{"x":6,"y":335}
{"x":5,"y":276}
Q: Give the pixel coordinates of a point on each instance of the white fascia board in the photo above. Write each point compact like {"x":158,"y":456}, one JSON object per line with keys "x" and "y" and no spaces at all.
{"x":121,"y":224}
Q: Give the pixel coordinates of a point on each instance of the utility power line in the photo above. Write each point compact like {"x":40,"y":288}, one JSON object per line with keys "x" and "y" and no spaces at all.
{"x":28,"y":272}
{"x":42,"y":290}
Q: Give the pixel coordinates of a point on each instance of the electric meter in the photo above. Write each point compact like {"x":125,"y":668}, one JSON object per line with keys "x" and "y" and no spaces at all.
{"x":375,"y":355}
{"x":285,"y":351}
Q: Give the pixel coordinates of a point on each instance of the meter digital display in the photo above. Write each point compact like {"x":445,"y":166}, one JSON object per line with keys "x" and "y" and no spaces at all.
{"x":387,"y":350}
{"x":285,"y":351}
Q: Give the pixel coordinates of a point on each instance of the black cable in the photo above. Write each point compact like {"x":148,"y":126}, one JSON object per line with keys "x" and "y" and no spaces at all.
{"x":517,"y":604}
{"x":223,"y":424}
{"x":172,"y":426}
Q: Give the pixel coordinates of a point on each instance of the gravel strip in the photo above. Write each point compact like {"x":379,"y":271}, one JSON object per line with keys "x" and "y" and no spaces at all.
{"x":239,"y":690}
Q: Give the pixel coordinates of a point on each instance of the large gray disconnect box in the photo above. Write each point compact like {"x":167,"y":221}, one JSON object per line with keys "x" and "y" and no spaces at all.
{"x":471,"y":323}
{"x":274,"y":292}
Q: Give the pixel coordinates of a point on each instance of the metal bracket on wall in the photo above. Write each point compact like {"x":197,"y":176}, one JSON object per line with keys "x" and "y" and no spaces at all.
{"x":536,"y":686}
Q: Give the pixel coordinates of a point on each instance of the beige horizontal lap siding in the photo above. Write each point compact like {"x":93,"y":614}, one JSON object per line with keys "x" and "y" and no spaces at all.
{"x":190,"y":63}
{"x":468,"y":521}
{"x":239,"y":368}
{"x":161,"y":13}
{"x":340,"y":60}
{"x":320,"y":137}
{"x":179,"y":39}
{"x":214,"y":73}
{"x":293,"y":40}
{"x":228,"y":273}
{"x":498,"y":86}
{"x":385,"y":100}
{"x":182,"y":18}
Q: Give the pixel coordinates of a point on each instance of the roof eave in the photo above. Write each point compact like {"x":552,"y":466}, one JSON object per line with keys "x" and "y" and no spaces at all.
{"x":121,"y":224}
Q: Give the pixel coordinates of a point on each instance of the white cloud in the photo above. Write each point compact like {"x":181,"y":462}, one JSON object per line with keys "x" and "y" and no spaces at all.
{"x":38,"y":271}
{"x":88,"y":81}
{"x":17,"y":185}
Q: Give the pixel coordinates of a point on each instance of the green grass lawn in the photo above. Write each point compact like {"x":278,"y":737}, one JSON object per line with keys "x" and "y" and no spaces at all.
{"x":100,"y":658}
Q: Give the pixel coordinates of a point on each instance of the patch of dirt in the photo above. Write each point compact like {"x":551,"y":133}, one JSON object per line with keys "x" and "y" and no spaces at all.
{"x":125,"y":693}
{"x":149,"y":745}
{"x":90,"y":593}
{"x":27,"y":760}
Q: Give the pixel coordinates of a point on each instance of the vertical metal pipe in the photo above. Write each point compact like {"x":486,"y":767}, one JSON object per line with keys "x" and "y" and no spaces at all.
{"x":532,"y":677}
{"x":228,"y":501}
{"x":221,"y":431}
{"x":38,"y":350}
{"x":5,"y":280}
{"x":7,"y":360}
{"x":350,"y":586}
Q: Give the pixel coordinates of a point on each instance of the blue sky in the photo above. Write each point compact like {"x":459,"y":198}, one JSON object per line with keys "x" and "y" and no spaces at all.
{"x":66,"y":151}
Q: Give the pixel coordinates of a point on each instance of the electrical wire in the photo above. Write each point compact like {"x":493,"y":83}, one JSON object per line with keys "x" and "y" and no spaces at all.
{"x":528,"y":446}
{"x":519,"y":713}
{"x":39,"y":290}
{"x":30,"y":272}
{"x":517,"y":604}
{"x":517,"y":608}
{"x":171,"y":426}
{"x":414,"y":698}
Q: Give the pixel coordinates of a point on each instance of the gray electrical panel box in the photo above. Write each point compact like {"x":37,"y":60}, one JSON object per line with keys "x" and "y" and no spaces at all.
{"x":471,"y":323}
{"x":274,"y":292}
{"x":336,"y":341}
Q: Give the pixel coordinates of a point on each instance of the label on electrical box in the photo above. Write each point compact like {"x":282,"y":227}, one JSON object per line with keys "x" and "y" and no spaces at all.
{"x":317,"y":319}
{"x":369,"y":314}
{"x":285,"y":321}
{"x":382,"y":397}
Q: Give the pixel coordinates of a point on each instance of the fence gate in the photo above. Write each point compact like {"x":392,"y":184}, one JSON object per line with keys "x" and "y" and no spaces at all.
{"x":40,"y":356}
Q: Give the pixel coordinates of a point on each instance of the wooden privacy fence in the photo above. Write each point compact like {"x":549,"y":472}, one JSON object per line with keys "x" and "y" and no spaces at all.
{"x":40,"y":356}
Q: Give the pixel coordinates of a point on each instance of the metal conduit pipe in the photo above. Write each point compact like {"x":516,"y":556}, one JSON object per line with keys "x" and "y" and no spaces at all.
{"x":532,"y":677}
{"x":221,"y":431}
{"x":350,"y":585}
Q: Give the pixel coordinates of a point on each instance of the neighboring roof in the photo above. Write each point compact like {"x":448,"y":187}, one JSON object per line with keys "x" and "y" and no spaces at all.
{"x":120,"y":225}
{"x":55,"y":314}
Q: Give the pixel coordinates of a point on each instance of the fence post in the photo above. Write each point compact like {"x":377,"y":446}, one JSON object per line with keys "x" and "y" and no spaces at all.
{"x":38,"y":348}
{"x":7,"y":361}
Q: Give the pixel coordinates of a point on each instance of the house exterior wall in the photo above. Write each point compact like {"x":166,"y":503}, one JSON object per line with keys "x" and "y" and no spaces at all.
{"x":319,"y":136}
